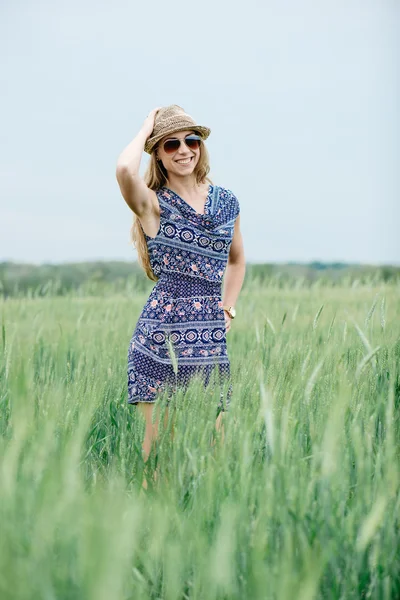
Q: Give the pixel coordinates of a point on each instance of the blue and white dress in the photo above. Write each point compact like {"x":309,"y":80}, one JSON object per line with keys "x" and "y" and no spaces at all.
{"x":184,"y":312}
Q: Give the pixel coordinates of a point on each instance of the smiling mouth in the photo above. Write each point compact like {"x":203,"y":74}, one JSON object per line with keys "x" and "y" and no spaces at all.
{"x":184,"y":161}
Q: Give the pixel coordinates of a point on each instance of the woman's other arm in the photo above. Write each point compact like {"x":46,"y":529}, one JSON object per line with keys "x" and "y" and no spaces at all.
{"x":235,"y":271}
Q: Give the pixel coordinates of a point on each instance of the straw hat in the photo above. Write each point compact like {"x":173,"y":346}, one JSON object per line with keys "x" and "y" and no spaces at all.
{"x":171,"y":119}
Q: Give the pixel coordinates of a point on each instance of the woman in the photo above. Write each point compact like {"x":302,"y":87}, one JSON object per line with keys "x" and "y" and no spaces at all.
{"x":187,"y":234}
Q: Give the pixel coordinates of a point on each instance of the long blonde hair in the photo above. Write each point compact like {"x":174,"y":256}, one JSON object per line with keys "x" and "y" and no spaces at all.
{"x":155,"y":177}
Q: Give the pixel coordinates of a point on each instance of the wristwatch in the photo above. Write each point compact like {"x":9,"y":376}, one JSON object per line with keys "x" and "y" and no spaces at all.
{"x":230,"y":310}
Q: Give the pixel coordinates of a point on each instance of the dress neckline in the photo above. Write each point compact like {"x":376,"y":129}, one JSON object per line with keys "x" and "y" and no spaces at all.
{"x":206,"y":204}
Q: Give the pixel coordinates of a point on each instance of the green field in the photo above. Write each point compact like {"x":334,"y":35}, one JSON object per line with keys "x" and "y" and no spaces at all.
{"x":300,"y":502}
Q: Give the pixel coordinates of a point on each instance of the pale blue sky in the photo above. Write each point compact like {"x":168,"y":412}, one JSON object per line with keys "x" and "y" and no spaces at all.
{"x":302,"y":99}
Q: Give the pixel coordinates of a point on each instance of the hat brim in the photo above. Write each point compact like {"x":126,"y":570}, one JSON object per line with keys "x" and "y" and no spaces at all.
{"x":204,"y":132}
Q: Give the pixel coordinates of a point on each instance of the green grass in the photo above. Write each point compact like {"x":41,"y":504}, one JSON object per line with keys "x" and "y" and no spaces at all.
{"x":300,"y":502}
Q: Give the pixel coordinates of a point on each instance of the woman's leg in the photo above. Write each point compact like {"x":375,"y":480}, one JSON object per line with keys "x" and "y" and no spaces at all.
{"x":219,"y":426}
{"x":151,"y":429}
{"x":224,"y":402}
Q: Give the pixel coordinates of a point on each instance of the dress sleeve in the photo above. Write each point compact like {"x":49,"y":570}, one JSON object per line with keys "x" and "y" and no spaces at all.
{"x":235,"y":205}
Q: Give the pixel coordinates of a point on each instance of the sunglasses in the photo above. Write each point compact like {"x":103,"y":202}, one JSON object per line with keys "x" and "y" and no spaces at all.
{"x":192,"y":142}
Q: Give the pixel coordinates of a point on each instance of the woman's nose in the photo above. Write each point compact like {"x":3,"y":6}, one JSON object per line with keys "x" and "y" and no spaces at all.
{"x":183,"y":148}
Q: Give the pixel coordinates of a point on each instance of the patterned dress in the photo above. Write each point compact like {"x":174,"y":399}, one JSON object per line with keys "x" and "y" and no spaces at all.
{"x":181,"y":329}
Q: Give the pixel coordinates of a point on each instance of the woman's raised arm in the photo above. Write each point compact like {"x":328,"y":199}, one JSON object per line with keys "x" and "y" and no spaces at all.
{"x":133,"y":188}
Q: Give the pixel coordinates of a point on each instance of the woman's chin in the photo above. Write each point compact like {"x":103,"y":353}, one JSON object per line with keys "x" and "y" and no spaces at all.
{"x":183,"y":172}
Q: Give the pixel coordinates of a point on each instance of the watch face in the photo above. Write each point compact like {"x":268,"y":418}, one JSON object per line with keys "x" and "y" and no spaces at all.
{"x":233,"y":312}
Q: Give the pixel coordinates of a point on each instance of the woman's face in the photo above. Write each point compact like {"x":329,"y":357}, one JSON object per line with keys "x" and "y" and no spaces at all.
{"x":183,"y":161}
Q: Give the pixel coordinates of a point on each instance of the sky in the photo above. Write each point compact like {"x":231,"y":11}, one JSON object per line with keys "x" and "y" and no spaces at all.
{"x":302,"y":99}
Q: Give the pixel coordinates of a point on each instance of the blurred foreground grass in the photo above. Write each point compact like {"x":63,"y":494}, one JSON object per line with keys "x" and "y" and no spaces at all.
{"x":300,"y":502}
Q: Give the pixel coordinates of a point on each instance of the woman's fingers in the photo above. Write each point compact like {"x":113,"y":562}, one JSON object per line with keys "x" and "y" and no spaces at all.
{"x":154,"y":111}
{"x":148,"y":124}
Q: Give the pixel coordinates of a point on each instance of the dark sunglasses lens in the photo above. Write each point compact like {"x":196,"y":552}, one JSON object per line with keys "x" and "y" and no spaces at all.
{"x":193,"y":142}
{"x":171,"y":146}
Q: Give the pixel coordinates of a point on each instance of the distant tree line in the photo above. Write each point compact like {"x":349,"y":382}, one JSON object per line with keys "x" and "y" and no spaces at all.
{"x":97,"y":278}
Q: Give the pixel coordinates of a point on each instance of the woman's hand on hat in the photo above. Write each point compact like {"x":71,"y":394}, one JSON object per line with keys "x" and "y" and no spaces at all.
{"x":148,"y":124}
